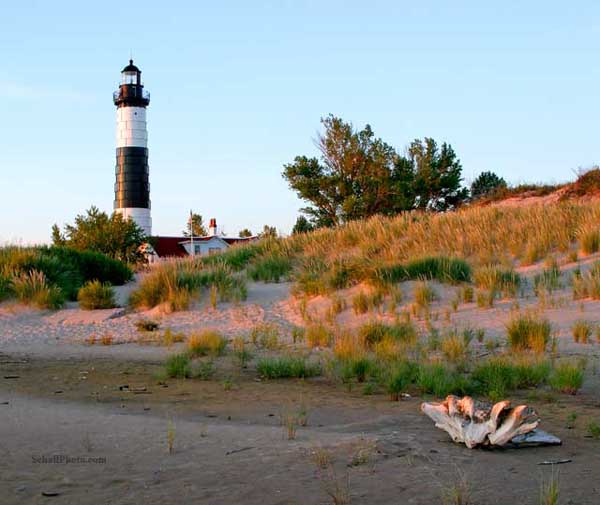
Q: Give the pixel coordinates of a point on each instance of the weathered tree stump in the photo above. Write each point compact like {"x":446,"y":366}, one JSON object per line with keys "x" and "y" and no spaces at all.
{"x":476,"y":423}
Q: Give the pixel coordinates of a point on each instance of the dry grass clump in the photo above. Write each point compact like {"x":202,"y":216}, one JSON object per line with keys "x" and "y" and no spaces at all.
{"x":207,"y":342}
{"x":587,"y":285}
{"x":424,"y":294}
{"x":364,"y":302}
{"x":528,"y":332}
{"x":589,"y":238}
{"x":582,"y":331}
{"x":497,"y":280}
{"x":96,"y":295}
{"x":375,"y":332}
{"x":33,"y":288}
{"x":317,"y":335}
{"x":265,"y":335}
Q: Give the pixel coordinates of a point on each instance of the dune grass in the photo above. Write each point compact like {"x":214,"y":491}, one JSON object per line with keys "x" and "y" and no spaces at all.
{"x":207,"y":342}
{"x":528,"y":332}
{"x":177,"y":283}
{"x":287,"y":367}
{"x":567,"y":376}
{"x":96,"y":295}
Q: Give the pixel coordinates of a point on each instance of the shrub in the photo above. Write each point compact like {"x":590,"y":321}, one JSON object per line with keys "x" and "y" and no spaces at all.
{"x":528,"y":332}
{"x":567,"y":377}
{"x":317,"y":335}
{"x":582,"y":331}
{"x":178,"y":366}
{"x":441,"y":381}
{"x":33,"y":288}
{"x":374,"y":332}
{"x":498,"y":376}
{"x":205,"y":343}
{"x":287,"y":367}
{"x":96,"y":295}
{"x":400,"y":377}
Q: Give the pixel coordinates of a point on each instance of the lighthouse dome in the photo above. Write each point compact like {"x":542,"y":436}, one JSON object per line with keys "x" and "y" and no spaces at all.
{"x":131,"y":67}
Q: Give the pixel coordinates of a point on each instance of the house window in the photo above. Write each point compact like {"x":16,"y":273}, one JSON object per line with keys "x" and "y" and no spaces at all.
{"x":214,"y":250}
{"x":197,"y":249}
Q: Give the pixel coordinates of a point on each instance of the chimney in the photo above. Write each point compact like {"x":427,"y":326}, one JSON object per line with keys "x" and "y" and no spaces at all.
{"x":212,"y":227}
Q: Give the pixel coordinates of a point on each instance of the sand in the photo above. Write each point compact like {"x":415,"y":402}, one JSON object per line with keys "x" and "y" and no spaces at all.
{"x":230,"y":447}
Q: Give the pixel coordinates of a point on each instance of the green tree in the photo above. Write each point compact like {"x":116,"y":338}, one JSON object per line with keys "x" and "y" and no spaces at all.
{"x":97,"y":231}
{"x":351,"y":179}
{"x":58,"y":239}
{"x":437,"y":175}
{"x":197,"y":226}
{"x":268,"y":232}
{"x":245,"y":233}
{"x":358,"y":175}
{"x":302,"y":225}
{"x":486,"y":183}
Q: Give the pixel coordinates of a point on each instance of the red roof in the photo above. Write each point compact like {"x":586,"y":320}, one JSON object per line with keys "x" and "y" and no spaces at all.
{"x":173,"y":246}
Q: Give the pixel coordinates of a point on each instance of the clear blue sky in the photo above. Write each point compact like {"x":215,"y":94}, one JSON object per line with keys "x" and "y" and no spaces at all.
{"x":238,"y":89}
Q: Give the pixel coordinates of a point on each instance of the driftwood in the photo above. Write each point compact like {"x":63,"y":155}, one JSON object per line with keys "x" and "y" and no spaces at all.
{"x":477,"y":423}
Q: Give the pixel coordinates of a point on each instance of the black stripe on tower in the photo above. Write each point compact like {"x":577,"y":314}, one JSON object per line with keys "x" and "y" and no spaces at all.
{"x":132,"y":187}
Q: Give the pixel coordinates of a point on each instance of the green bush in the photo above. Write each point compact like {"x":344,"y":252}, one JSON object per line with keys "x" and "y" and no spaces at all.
{"x":373,"y":332}
{"x":96,"y":295}
{"x":287,"y":367}
{"x":500,"y":375}
{"x":567,"y":377}
{"x":400,"y":377}
{"x":443,"y":269}
{"x":62,"y":267}
{"x":178,"y":366}
{"x":439,"y":380}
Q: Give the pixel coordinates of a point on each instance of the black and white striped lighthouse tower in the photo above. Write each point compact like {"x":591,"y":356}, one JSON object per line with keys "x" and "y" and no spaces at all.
{"x":132,"y":186}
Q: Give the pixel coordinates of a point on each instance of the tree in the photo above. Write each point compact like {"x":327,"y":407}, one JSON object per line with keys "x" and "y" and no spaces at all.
{"x":268,"y":232}
{"x":352,"y":178}
{"x":302,"y":226}
{"x":96,"y":231}
{"x":197,"y":225}
{"x":245,"y":233}
{"x":437,"y":175}
{"x":58,"y":239}
{"x":358,"y":175}
{"x":486,"y":183}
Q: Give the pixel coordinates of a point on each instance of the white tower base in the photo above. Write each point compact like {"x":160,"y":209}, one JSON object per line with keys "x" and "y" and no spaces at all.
{"x":141,"y":217}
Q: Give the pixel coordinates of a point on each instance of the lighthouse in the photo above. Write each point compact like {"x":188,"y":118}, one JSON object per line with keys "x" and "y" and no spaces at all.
{"x":132,"y":185}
